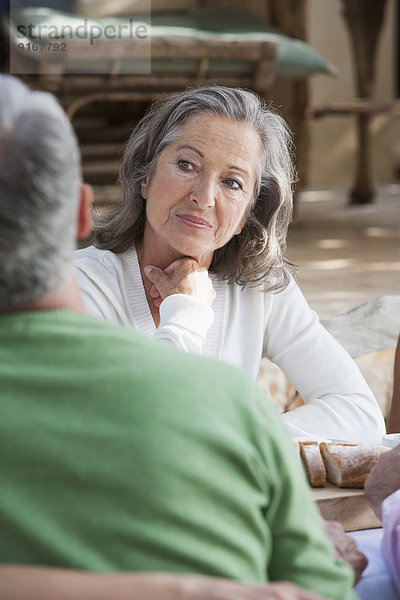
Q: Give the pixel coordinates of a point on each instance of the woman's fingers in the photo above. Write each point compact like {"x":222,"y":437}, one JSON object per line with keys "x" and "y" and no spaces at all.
{"x":183,"y":276}
{"x":157,"y":302}
{"x":154,"y":293}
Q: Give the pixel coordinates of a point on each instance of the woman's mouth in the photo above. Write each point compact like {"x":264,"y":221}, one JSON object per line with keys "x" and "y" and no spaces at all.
{"x":194,"y":222}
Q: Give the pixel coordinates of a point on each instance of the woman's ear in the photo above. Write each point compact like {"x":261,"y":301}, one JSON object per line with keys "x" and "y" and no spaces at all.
{"x":143,"y":188}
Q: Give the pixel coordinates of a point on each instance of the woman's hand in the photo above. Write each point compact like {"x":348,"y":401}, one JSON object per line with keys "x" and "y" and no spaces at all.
{"x":183,"y":276}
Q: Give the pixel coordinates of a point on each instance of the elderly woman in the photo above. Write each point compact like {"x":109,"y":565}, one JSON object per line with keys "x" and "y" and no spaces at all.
{"x":195,"y":255}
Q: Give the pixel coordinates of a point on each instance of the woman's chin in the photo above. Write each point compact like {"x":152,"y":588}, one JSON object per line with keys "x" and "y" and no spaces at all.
{"x":196,"y":251}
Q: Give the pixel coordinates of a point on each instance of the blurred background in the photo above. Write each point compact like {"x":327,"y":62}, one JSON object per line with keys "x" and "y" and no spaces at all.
{"x":331,"y":68}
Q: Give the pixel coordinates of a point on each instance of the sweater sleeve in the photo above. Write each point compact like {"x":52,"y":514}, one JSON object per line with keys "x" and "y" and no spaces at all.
{"x":338,"y":402}
{"x":391,"y":535}
{"x":184,"y":322}
{"x":301,"y":552}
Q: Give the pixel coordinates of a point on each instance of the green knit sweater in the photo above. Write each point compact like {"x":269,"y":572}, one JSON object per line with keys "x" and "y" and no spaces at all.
{"x":120,"y":454}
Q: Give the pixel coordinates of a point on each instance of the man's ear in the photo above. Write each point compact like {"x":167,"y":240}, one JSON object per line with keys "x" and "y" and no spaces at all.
{"x":84,"y":226}
{"x":143,"y":188}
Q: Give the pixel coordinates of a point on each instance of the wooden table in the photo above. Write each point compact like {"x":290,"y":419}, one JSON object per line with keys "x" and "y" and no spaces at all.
{"x":346,"y":505}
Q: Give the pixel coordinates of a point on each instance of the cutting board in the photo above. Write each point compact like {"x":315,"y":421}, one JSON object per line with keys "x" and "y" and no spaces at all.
{"x":346,"y":505}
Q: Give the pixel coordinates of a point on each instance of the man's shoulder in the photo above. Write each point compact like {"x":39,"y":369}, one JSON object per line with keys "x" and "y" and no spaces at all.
{"x":129,"y":359}
{"x":165,"y":366}
{"x":111,"y":361}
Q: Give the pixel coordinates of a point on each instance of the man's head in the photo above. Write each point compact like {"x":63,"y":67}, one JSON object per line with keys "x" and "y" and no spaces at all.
{"x":40,"y":183}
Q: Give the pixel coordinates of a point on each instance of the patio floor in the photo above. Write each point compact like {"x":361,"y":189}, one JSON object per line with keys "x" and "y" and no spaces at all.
{"x":346,"y":254}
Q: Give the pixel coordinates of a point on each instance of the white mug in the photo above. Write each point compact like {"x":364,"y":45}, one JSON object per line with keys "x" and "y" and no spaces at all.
{"x":391,"y":440}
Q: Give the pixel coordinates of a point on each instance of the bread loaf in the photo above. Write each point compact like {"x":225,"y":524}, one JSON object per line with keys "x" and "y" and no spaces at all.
{"x":348,"y":465}
{"x":314,"y":465}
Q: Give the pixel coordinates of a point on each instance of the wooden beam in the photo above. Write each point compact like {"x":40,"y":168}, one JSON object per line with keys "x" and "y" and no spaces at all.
{"x":357,"y":106}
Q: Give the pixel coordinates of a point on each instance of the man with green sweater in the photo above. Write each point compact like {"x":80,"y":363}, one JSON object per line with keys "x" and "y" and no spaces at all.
{"x":119,"y":455}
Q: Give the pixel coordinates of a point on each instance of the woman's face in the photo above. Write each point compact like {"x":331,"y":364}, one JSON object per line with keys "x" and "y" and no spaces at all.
{"x":203,"y":184}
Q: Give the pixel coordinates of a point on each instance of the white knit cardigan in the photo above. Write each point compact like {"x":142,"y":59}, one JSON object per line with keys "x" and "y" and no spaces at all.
{"x":241,"y":327}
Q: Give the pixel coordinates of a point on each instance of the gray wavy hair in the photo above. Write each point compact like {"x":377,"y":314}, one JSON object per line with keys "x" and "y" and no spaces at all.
{"x":255,"y":256}
{"x":39,"y":191}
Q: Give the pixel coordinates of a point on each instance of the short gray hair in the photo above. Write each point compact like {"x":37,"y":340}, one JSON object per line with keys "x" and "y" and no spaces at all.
{"x":40,"y":179}
{"x":255,"y":256}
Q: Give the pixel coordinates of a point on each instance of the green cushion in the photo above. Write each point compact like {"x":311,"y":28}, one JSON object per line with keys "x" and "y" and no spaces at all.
{"x":295,"y":59}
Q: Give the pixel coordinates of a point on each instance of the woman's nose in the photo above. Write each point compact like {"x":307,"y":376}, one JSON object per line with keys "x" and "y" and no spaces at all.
{"x":203,"y":193}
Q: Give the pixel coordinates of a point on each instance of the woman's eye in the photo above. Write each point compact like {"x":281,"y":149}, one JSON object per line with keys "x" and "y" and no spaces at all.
{"x":185,"y":165}
{"x":233,"y":184}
